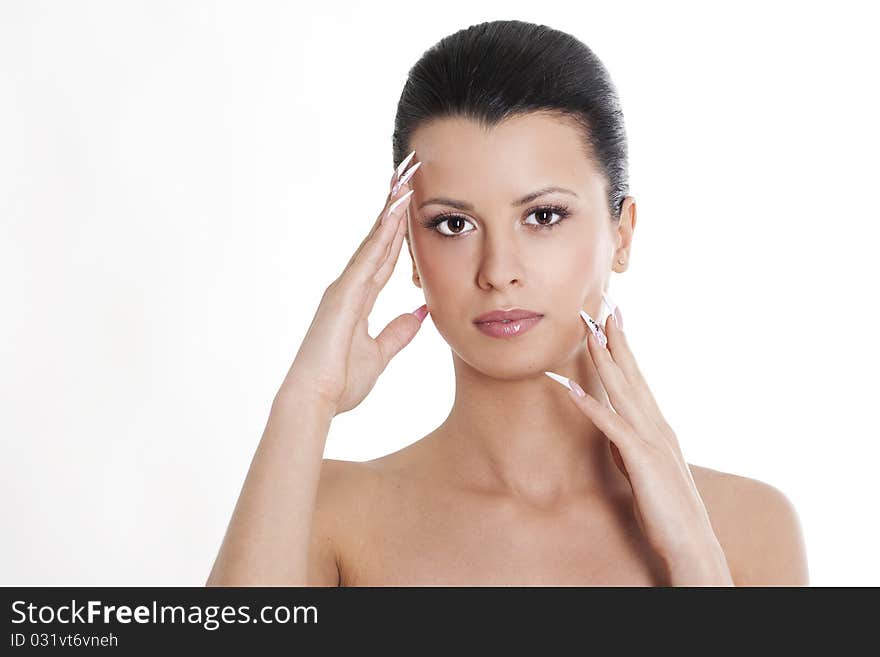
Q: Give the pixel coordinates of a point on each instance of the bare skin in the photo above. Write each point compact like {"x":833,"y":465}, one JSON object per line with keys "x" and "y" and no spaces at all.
{"x":516,"y":487}
{"x":406,"y":520}
{"x":522,"y":483}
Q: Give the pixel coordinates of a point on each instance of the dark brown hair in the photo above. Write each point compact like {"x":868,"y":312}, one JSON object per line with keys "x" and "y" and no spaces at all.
{"x":495,"y":70}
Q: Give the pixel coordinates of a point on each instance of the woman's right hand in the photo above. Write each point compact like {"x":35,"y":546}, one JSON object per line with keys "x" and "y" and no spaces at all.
{"x":338,"y":360}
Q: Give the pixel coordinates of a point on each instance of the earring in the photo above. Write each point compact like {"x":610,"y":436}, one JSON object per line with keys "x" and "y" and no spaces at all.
{"x":620,"y":260}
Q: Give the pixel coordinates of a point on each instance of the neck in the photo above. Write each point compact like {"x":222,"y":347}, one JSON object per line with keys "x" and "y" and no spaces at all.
{"x":526,"y":438}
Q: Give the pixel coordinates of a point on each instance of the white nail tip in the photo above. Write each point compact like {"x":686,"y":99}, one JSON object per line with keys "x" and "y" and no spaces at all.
{"x":595,"y":328}
{"x":609,"y":302}
{"x":562,"y":380}
{"x":409,"y":173}
{"x":394,"y":205}
{"x":589,"y":321}
{"x":405,"y":178}
{"x":403,"y":164}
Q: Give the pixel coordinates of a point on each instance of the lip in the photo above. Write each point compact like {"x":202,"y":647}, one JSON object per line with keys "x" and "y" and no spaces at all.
{"x":509,"y":330}
{"x":521,"y":320}
{"x":511,"y":314}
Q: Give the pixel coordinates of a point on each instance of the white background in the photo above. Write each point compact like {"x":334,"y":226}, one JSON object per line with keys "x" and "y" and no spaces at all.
{"x":171,"y":211}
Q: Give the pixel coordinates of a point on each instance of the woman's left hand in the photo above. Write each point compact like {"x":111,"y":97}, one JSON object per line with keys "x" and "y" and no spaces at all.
{"x":666,"y":502}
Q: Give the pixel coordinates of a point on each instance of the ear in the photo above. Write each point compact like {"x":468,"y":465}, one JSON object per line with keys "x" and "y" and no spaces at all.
{"x":417,"y":281}
{"x":625,"y":229}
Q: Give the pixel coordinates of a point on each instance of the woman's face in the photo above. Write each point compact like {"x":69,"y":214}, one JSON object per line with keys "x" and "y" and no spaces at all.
{"x":493,"y":252}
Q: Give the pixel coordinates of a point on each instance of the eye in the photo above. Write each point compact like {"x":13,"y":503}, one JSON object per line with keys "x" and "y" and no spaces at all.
{"x":456,"y":221}
{"x":546,"y":212}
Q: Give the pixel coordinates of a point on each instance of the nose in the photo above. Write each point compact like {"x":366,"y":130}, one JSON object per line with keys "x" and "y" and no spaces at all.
{"x":500,"y":264}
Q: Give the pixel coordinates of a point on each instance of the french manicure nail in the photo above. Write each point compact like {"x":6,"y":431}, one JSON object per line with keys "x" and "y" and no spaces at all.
{"x":595,"y":328}
{"x":568,"y":383}
{"x":613,"y":309}
{"x":421,"y":312}
{"x":405,"y":178}
{"x":396,"y":203}
{"x":403,"y":164}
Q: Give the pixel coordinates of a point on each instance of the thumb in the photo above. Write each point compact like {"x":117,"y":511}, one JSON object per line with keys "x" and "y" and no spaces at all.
{"x":399,"y":332}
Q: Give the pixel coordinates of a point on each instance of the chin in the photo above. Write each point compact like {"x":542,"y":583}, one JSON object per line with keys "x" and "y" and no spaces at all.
{"x":509,"y":359}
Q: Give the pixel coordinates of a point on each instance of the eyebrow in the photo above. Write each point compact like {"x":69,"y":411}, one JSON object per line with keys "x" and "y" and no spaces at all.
{"x":461,"y":205}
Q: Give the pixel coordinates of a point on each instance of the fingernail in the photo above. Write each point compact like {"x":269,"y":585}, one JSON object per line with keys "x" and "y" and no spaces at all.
{"x":421,"y":312}
{"x":396,"y":203}
{"x":568,"y":383}
{"x":405,"y":178}
{"x":402,"y":165}
{"x":613,"y":309}
{"x":595,"y":328}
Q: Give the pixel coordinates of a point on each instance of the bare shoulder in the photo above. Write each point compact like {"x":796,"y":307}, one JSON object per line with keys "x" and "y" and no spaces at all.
{"x":758,"y":527}
{"x":349,"y":488}
{"x":339,"y":477}
{"x":340,"y":505}
{"x":354,"y":500}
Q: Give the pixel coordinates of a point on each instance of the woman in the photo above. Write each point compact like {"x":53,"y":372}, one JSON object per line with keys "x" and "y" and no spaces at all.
{"x":510,"y":188}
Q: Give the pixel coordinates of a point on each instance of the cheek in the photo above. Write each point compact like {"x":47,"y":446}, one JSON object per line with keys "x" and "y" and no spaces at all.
{"x":439,"y":266}
{"x":571,"y":265}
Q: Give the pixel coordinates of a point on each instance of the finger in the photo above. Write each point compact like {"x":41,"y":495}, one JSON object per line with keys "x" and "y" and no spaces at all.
{"x":396,"y":335}
{"x":402,"y":191}
{"x":360,"y":280}
{"x":363,"y":267}
{"x":366,"y":263}
{"x":372,"y":232}
{"x":611,"y":374}
{"x":395,"y":216}
{"x":621,"y":352}
{"x":398,"y":186}
{"x":400,"y":215}
{"x":399,"y":191}
{"x":623,"y":356}
{"x":387,"y":268}
{"x":375,"y":229}
{"x":619,"y":390}
{"x":606,"y":420}
{"x":392,"y":181}
{"x":352,"y":287}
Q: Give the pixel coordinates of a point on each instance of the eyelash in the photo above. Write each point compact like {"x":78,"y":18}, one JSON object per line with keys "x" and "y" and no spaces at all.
{"x":561,"y":210}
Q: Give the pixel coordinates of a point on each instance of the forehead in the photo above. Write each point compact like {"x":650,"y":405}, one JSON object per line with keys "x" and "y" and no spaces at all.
{"x":518,"y":154}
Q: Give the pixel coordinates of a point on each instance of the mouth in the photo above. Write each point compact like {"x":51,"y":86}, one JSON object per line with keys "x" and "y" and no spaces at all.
{"x":507,"y":323}
{"x":506,"y":315}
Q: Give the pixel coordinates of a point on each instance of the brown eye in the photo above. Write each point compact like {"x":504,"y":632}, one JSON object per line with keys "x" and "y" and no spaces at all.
{"x":457,"y":222}
{"x":544,"y":217}
{"x":456,"y":225}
